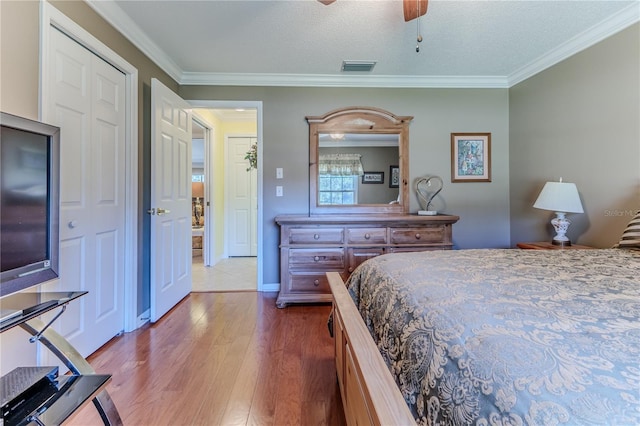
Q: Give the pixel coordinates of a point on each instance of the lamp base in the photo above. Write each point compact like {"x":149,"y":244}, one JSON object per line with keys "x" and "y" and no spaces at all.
{"x":560,"y":224}
{"x":561,"y":243}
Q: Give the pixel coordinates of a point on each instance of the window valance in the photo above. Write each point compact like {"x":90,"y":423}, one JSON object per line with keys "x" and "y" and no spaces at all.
{"x":340,"y":165}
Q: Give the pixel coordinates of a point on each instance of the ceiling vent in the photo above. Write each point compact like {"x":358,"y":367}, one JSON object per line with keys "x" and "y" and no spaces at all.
{"x":357,"y":66}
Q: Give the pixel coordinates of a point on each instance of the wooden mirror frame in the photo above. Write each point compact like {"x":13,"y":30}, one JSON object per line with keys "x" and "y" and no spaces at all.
{"x":364,"y":120}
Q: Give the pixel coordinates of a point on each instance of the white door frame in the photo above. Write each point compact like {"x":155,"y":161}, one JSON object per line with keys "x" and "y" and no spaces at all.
{"x":258,"y":106}
{"x":208,"y":246}
{"x":52,"y":17}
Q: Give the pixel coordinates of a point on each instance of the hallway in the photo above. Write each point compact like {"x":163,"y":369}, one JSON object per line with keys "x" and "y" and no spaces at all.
{"x":231,"y":274}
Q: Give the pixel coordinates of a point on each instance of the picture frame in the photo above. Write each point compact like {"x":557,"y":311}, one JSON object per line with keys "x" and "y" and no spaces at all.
{"x":373,"y":177}
{"x":470,"y":157}
{"x":394,"y":176}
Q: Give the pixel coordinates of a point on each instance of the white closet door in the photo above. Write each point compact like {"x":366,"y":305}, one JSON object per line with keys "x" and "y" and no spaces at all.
{"x":87,"y":102}
{"x":241,"y":198}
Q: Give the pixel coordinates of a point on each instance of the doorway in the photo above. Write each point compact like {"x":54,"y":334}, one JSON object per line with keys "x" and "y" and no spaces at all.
{"x":225,"y":271}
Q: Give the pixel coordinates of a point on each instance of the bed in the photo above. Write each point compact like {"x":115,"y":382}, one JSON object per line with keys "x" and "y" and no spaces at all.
{"x":490,"y":336}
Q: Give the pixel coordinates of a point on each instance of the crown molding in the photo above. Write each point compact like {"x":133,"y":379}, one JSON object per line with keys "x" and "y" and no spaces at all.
{"x":604,"y":29}
{"x":112,"y":13}
{"x":325,"y":80}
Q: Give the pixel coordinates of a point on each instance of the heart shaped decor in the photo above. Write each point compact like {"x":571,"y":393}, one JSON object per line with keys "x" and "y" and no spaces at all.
{"x":427,"y":188}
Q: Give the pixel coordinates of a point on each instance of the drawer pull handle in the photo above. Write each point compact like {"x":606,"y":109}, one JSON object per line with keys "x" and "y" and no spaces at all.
{"x":316,"y":258}
{"x":350,"y":268}
{"x":417,"y":235}
{"x":316,"y":283}
{"x":316,"y":236}
{"x":367,"y":236}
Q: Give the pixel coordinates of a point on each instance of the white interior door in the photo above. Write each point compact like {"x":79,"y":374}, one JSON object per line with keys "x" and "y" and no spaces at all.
{"x":241,"y":199}
{"x":87,"y":101}
{"x":170,"y":199}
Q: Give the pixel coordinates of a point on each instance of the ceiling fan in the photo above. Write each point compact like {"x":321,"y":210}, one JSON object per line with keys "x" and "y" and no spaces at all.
{"x":412,"y":8}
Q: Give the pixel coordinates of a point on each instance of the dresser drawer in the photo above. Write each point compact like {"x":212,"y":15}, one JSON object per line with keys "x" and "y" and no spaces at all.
{"x":308,"y":283}
{"x":413,"y":249}
{"x":316,"y":235}
{"x":356,"y":256}
{"x":367,"y":235}
{"x":322,"y":259}
{"x":425,"y":235}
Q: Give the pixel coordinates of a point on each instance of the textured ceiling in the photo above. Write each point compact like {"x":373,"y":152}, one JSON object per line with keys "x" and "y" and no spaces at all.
{"x":466,"y":43}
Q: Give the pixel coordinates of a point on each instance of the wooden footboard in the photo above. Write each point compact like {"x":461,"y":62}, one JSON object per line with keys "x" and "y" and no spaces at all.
{"x":370,"y":396}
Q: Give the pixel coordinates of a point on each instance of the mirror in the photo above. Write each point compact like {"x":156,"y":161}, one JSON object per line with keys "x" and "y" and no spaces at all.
{"x":358,"y":162}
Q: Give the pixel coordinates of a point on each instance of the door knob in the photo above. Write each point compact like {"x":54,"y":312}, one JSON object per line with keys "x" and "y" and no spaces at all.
{"x":158,"y":211}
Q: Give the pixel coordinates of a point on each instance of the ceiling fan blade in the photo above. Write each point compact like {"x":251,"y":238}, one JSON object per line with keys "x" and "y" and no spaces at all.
{"x":326,"y":2}
{"x":414,"y":8}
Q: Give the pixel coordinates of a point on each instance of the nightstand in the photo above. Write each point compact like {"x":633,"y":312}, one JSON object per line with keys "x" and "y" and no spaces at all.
{"x":542,"y":245}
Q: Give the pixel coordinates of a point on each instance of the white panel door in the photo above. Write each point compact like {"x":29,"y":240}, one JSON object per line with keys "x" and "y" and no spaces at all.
{"x":170,"y":199}
{"x":88,"y":103}
{"x":242,"y":199}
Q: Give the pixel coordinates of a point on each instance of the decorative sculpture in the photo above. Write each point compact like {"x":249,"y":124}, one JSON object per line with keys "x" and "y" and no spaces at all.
{"x":427,"y":188}
{"x":197,"y":211}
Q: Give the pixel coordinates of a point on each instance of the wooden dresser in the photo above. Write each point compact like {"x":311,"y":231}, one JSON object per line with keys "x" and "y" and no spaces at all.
{"x":310,"y":246}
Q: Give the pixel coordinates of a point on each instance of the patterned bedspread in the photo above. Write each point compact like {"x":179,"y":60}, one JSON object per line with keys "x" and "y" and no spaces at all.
{"x":508,"y":337}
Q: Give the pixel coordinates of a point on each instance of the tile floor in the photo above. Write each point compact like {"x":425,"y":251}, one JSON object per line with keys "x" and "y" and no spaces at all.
{"x":232,"y":274}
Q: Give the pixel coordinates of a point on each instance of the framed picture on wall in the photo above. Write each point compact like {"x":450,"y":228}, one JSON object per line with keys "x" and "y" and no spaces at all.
{"x":373,"y":177}
{"x":394,"y":177}
{"x":470,"y":157}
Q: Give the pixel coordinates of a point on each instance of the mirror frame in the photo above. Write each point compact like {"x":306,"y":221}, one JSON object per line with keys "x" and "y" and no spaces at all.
{"x":359,"y":120}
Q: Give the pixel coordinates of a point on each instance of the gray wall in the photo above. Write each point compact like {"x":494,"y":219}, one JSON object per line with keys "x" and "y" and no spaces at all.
{"x":579,"y":120}
{"x":483,"y":207}
{"x":585,"y":109}
{"x":19,"y":38}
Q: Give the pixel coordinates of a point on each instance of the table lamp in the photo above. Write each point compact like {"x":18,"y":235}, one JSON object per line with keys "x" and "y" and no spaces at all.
{"x":561,"y":198}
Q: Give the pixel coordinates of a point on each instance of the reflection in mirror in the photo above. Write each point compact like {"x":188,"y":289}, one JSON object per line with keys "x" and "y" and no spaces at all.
{"x":343,"y":160}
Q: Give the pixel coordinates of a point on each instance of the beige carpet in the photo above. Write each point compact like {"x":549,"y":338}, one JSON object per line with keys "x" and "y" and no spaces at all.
{"x":232,"y":274}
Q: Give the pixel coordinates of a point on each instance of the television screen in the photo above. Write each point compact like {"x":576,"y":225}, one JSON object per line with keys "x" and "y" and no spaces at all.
{"x":28,"y":203}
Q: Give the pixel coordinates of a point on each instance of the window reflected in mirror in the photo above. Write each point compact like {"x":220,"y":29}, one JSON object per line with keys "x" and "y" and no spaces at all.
{"x":338,"y":190}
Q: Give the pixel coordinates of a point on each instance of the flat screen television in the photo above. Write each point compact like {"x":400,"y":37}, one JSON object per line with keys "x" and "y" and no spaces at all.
{"x":29,"y":202}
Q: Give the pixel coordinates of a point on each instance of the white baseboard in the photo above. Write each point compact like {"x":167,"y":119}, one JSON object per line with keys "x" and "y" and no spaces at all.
{"x":272,"y":287}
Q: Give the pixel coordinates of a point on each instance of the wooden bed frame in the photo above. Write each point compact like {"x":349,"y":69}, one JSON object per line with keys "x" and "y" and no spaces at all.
{"x":369,"y":393}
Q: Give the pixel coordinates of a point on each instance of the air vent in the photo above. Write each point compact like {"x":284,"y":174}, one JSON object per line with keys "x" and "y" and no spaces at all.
{"x":358,"y":66}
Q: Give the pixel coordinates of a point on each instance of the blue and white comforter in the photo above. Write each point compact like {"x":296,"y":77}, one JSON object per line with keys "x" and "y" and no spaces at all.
{"x":508,"y":337}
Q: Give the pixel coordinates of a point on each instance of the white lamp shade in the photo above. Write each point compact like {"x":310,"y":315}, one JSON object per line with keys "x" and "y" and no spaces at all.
{"x":559,"y":197}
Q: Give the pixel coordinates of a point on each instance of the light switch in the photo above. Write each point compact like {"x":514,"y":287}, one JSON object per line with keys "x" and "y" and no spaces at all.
{"x":278,"y":191}
{"x":279,"y":173}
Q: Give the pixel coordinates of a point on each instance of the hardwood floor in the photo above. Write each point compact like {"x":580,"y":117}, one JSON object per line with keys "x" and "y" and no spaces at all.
{"x":224,"y":359}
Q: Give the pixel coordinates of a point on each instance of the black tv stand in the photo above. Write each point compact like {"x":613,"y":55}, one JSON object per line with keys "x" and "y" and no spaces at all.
{"x":83,"y":384}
